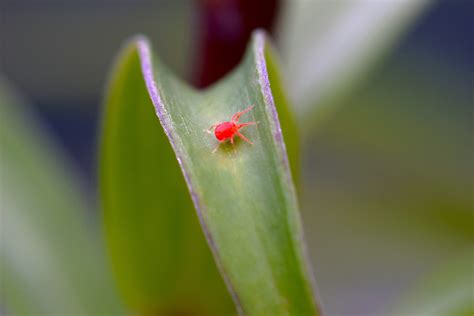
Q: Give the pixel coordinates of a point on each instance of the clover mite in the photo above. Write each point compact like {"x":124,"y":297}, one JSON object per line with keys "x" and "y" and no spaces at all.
{"x":225,"y":131}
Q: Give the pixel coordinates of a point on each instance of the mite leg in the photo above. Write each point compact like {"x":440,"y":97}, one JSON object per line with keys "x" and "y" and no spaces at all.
{"x":216,"y":148}
{"x":232,"y":143}
{"x":209,"y":131}
{"x":244,"y":138}
{"x":236,"y":116}
{"x":247,"y":124}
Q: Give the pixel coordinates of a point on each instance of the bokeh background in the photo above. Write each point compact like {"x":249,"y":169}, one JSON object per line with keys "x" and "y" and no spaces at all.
{"x":385,"y":112}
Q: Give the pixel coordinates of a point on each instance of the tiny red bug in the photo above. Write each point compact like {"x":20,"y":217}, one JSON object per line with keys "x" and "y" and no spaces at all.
{"x":228,"y":130}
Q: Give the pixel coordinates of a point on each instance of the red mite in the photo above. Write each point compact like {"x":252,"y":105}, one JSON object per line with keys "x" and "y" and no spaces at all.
{"x":228,"y":130}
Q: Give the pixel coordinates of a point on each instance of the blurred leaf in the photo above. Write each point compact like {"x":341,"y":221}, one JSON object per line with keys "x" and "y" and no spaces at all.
{"x":449,"y":290}
{"x":51,"y":257}
{"x":244,"y":197}
{"x":328,"y":45}
{"x":394,"y":181}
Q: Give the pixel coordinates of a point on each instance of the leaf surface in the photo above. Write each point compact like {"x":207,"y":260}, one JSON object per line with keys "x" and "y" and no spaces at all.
{"x":243,"y":194}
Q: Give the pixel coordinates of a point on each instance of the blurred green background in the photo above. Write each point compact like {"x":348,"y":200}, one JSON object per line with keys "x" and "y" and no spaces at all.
{"x":387,"y":152}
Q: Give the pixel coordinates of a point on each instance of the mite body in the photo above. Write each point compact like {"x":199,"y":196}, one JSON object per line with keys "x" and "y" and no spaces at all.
{"x":228,"y":130}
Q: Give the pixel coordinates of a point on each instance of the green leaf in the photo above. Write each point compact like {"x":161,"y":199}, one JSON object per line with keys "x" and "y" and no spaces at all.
{"x":244,"y":195}
{"x":51,"y":256}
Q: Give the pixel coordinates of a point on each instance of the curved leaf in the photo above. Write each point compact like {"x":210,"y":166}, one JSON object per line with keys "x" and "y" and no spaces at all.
{"x":159,"y":254}
{"x":244,"y":196}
